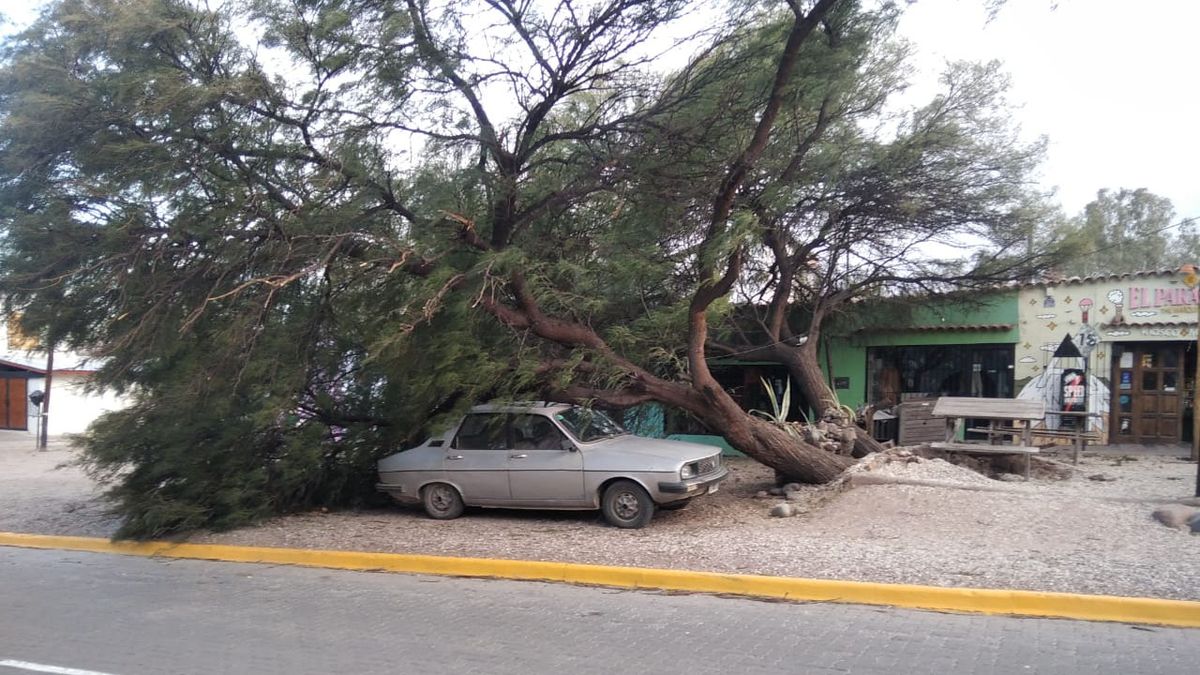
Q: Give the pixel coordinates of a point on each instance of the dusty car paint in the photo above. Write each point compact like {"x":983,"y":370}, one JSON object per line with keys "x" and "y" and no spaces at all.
{"x":548,"y":478}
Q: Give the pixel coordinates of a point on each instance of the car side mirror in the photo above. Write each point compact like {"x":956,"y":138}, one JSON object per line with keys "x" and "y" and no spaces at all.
{"x":567,"y":445}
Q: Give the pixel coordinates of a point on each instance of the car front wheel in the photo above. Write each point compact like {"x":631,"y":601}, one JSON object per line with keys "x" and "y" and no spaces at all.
{"x":441,"y":501}
{"x":626,"y":504}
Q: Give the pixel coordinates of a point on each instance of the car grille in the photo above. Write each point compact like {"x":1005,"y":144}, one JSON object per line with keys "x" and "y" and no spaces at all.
{"x":708,"y":465}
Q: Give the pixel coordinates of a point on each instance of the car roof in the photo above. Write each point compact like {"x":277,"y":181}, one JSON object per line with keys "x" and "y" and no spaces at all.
{"x":545,"y":407}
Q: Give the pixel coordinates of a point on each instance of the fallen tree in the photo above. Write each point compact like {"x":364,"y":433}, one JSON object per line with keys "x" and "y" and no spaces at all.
{"x":272,"y":272}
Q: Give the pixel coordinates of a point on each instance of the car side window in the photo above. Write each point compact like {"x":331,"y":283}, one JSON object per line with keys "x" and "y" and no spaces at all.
{"x":535,"y":432}
{"x":482,"y":431}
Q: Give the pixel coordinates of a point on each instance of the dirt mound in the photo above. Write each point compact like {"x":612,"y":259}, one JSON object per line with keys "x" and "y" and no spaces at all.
{"x":904,"y":464}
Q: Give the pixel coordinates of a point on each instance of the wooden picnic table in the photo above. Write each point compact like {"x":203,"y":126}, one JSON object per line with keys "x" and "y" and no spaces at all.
{"x":958,"y":409}
{"x":1079,"y":435}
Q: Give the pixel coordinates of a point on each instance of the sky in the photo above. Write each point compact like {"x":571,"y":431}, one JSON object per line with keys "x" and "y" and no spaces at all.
{"x":1111,"y":84}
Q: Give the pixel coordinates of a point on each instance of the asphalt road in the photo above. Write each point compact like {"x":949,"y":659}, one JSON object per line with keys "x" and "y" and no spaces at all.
{"x":83,"y":613}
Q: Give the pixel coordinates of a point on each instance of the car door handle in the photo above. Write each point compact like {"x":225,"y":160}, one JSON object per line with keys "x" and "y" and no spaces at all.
{"x":453,"y":456}
{"x":521,"y":456}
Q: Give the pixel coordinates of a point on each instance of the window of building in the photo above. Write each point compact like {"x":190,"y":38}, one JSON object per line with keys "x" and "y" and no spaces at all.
{"x":898,"y":374}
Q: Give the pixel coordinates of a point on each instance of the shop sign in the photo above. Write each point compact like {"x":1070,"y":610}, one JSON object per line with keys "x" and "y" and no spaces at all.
{"x":1074,"y":389}
{"x":1168,"y":331}
{"x":1142,"y":298}
{"x":1074,"y":395}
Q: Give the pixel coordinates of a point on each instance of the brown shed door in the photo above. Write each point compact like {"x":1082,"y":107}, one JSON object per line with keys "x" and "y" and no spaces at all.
{"x":12,"y":391}
{"x":1148,"y":393}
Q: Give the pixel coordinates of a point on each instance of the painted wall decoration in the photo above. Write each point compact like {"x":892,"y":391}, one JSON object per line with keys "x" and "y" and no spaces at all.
{"x":1116,"y":298}
{"x":1118,"y":309}
{"x":1140,"y":308}
{"x":1047,"y":387}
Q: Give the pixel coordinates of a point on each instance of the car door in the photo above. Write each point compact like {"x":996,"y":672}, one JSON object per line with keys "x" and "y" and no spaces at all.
{"x":477,"y":459}
{"x":544,"y":468}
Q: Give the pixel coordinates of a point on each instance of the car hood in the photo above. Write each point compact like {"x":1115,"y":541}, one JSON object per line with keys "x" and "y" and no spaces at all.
{"x":655,"y":447}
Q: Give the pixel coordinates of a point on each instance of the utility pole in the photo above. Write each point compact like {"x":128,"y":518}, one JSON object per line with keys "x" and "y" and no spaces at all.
{"x":43,"y":441}
{"x":1191,"y":279}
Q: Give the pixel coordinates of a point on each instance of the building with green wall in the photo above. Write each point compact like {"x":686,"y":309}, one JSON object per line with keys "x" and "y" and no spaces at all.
{"x":955,"y":345}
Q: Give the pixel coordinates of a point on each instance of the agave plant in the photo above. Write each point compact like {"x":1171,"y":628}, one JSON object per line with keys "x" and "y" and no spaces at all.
{"x":779,"y":408}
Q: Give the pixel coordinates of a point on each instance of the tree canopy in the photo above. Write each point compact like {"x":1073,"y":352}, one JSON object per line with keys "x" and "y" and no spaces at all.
{"x":302,"y":235}
{"x":1125,"y":230}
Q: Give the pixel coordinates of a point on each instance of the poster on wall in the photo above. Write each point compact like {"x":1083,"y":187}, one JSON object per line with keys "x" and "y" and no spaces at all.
{"x":1074,"y":394}
{"x":1127,"y":379}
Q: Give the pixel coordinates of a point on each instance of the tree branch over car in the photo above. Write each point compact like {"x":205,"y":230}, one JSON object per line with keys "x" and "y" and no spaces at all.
{"x":301,"y":251}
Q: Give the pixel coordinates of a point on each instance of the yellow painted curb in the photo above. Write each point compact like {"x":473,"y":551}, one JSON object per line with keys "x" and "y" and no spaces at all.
{"x":972,"y":600}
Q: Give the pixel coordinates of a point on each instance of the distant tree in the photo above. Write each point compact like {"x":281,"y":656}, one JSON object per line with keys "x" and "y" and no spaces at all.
{"x":1187,"y":243}
{"x":1123,"y":231}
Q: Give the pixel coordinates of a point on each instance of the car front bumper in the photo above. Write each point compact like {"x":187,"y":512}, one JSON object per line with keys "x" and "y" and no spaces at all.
{"x":692,"y":486}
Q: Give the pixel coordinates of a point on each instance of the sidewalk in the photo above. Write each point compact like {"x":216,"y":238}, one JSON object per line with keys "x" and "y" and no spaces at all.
{"x":1077,"y":536}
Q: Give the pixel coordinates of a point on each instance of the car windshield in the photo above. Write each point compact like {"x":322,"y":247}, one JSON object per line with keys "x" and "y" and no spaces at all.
{"x":589,"y":425}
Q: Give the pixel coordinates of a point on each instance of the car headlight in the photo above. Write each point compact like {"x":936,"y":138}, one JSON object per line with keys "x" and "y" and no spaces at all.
{"x":687,"y":471}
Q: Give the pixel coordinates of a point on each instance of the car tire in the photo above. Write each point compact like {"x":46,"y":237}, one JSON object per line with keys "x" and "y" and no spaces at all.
{"x":627,"y":505}
{"x":441,"y":501}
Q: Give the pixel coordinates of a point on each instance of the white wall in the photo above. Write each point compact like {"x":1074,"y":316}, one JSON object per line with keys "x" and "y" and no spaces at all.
{"x":71,"y":408}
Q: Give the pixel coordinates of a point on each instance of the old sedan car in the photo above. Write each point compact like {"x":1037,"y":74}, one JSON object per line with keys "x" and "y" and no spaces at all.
{"x":550,"y":456}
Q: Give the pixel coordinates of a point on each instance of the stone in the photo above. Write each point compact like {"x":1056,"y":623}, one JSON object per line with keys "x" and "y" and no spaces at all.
{"x":1011,"y":478}
{"x":1178,"y":516}
{"x":792,"y":487}
{"x":1102,"y":477}
{"x":762,"y":494}
{"x":783,"y":511}
{"x":793,"y":496}
{"x":777,"y":491}
{"x":1190,"y":501}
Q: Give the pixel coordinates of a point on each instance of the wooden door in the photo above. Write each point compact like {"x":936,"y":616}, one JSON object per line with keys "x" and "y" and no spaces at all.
{"x":1148,"y":384}
{"x":12,"y":396}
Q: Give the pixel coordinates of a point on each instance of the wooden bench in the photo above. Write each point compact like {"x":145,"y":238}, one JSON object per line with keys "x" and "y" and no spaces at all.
{"x":958,"y":409}
{"x":1079,"y":435}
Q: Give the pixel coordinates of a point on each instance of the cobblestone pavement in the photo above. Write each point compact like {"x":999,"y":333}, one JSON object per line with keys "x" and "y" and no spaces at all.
{"x":128,"y":616}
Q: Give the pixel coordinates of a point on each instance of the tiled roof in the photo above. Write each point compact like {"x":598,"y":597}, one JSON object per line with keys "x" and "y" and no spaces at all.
{"x":940,"y":328}
{"x":1067,"y":281}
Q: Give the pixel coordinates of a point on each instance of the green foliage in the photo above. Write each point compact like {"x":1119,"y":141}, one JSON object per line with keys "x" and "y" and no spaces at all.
{"x":1125,"y":231}
{"x":303,"y":252}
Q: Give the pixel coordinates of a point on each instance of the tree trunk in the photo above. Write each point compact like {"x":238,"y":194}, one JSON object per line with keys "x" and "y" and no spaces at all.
{"x":762,"y":441}
{"x":804,"y":367}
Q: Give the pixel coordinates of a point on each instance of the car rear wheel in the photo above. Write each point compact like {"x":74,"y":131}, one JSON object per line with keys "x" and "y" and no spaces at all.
{"x":626,"y":504}
{"x":441,"y":501}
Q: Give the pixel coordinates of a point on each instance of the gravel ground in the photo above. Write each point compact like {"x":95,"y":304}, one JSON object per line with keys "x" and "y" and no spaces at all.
{"x":1075,"y":535}
{"x":38,"y":494}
